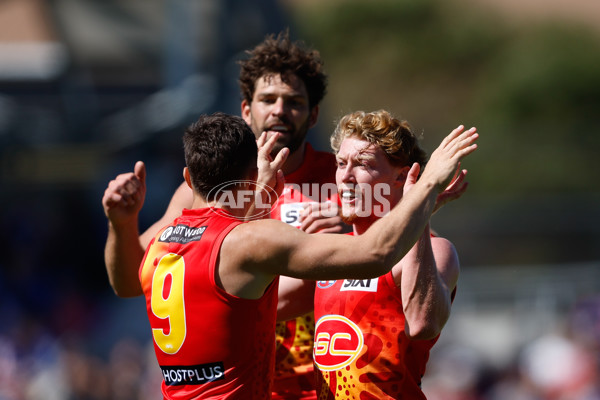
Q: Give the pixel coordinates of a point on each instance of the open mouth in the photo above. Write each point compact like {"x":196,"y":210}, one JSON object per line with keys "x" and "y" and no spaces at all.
{"x":284,"y":129}
{"x":347,"y":195}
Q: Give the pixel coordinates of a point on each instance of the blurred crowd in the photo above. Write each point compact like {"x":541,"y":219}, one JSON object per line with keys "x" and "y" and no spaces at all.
{"x":37,"y":365}
{"x":559,"y":364}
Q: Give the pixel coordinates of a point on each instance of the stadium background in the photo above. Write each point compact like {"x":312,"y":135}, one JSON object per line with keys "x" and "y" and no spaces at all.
{"x":87,"y":88}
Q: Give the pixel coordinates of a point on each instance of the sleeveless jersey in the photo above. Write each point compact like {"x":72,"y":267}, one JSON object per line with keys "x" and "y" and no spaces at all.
{"x":208,"y":343}
{"x":361,"y":350}
{"x":314,"y":181}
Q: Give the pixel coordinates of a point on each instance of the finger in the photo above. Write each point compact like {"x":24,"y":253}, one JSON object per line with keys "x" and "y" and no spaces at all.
{"x":310,"y":212}
{"x":413,"y":173}
{"x":310,"y":207}
{"x":310,"y":223}
{"x":320,"y":224}
{"x":307,"y":211}
{"x":127,"y":199}
{"x":333,"y":229}
{"x":460,"y":173}
{"x":466,"y":151}
{"x":456,"y":175}
{"x":112,"y":200}
{"x":455,"y":132}
{"x":280,"y":158}
{"x":129,"y":186}
{"x":269,"y":144}
{"x":261,"y":139}
{"x":279,"y":183}
{"x":459,"y":176}
{"x":140,"y":171}
{"x":448,"y":196}
{"x":460,"y":180}
{"x":462,"y":145}
{"x":466,"y":138}
{"x":458,"y":190}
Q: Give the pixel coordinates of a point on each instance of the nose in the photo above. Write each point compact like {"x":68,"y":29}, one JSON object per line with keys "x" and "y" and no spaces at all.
{"x":278,"y":108}
{"x":345,"y":173}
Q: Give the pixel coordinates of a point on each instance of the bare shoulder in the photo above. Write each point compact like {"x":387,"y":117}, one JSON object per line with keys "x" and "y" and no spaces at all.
{"x":446,"y":259}
{"x":443,"y":246}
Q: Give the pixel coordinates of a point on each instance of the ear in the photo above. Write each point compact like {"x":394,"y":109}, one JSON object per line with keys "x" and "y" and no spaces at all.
{"x":187,"y":177}
{"x":314,"y":116}
{"x":246,"y":114}
{"x":401,"y":174}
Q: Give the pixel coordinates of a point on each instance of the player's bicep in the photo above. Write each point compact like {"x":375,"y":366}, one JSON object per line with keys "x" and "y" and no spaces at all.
{"x":274,"y":248}
{"x":315,"y":257}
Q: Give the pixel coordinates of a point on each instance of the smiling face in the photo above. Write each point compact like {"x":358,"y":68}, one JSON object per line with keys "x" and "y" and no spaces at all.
{"x":368,"y":184}
{"x":280,"y":106}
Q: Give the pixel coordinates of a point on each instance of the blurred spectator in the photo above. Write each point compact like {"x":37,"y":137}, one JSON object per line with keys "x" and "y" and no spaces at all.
{"x":558,"y":368}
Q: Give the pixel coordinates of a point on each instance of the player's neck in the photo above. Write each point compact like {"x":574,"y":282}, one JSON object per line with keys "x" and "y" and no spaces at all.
{"x":238,"y":209}
{"x":294,"y":160}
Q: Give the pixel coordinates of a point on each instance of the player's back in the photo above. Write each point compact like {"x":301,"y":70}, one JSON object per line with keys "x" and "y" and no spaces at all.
{"x":208,"y":343}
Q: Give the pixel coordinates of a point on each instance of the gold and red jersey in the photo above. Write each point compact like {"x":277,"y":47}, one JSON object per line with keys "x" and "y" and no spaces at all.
{"x":208,"y":343}
{"x":314,"y":181}
{"x":361,"y":351}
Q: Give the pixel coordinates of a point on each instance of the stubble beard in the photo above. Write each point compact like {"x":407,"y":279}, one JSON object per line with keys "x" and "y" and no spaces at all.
{"x":295,"y":140}
{"x":348,"y":216}
{"x":349,"y":219}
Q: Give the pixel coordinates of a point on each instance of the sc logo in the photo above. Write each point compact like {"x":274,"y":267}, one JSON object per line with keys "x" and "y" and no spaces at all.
{"x":338,"y":342}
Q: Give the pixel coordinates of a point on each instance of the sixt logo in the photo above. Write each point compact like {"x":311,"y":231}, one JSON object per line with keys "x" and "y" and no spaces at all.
{"x":181,"y":234}
{"x":360,"y":285}
{"x":338,"y":342}
{"x":238,"y":195}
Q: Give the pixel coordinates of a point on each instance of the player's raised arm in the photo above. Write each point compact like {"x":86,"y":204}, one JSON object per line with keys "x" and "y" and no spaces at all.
{"x":268,"y":248}
{"x":124,"y":249}
{"x":122,"y":202}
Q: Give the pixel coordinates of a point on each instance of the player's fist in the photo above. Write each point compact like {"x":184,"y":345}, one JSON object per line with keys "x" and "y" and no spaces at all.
{"x":124,"y":197}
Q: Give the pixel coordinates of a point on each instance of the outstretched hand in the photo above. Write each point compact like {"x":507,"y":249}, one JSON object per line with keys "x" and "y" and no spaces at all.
{"x":124,"y":197}
{"x":455,"y":190}
{"x":269,"y":169}
{"x":444,"y":163}
{"x":270,"y":180}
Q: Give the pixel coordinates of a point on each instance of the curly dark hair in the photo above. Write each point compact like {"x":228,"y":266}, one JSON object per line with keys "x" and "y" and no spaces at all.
{"x":218,"y":148}
{"x":280,"y":55}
